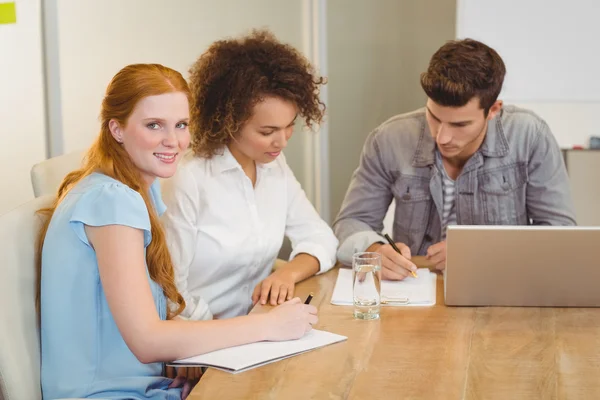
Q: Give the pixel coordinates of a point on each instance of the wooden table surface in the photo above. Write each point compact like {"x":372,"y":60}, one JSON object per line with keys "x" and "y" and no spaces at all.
{"x":434,"y":352}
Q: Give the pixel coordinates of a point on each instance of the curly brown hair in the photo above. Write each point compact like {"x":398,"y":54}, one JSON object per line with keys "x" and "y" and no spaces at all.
{"x":233,"y":75}
{"x":462,"y":69}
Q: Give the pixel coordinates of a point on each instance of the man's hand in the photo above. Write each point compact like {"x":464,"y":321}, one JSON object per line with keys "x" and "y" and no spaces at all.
{"x":436,"y":253}
{"x":394,"y":266}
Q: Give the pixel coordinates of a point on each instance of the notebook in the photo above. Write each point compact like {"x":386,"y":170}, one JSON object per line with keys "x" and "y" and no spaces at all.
{"x":420,"y":291}
{"x":245,"y":357}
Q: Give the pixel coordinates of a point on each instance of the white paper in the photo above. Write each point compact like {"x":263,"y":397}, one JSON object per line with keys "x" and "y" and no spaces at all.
{"x":242,"y":358}
{"x":420,"y":291}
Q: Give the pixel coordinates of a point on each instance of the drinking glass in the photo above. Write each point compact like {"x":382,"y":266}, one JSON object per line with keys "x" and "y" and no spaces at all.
{"x":366,"y":285}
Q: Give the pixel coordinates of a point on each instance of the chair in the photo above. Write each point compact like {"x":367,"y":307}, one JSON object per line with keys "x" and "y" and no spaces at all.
{"x":20,"y":350}
{"x":47,"y":175}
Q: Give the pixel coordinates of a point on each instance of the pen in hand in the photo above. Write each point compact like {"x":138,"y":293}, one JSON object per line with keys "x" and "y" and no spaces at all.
{"x":396,"y":249}
{"x":308,"y":299}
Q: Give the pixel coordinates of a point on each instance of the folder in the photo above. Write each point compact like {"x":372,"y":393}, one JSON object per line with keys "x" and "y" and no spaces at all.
{"x":245,"y":357}
{"x":420,"y":291}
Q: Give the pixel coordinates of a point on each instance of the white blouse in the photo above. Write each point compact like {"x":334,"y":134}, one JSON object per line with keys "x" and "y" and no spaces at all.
{"x":224,"y":235}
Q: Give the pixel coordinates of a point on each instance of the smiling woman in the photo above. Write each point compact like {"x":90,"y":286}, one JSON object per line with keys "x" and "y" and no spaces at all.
{"x":112,"y":196}
{"x":155,"y":134}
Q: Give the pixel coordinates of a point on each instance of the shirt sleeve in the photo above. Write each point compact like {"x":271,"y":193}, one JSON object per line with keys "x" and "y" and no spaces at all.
{"x":182,"y":198}
{"x":304,"y":227}
{"x":110,"y":204}
{"x":549,"y":199}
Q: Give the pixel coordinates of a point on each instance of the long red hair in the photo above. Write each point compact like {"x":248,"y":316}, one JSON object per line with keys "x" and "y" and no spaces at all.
{"x":127,"y":88}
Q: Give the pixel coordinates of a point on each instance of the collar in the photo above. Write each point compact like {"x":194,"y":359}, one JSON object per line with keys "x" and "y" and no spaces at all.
{"x":226,"y":162}
{"x":494,"y":144}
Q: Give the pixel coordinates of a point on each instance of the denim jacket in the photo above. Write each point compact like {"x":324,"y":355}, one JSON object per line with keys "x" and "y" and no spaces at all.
{"x":516,"y":177}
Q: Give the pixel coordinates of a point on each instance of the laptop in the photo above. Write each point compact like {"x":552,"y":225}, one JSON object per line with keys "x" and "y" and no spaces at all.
{"x":536,"y":266}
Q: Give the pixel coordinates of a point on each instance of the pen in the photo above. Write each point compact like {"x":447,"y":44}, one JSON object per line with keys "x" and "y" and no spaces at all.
{"x":308,"y":299}
{"x":391,"y":242}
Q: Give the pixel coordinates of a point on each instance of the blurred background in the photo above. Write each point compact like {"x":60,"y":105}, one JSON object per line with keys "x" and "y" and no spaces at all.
{"x":57,"y":57}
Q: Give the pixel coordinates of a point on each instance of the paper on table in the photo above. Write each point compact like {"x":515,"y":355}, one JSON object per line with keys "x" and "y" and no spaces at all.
{"x":420,"y":291}
{"x":242,"y":358}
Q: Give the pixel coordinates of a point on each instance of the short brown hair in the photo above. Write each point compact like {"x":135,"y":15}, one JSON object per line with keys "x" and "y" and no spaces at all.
{"x":461,"y":70}
{"x":233,"y":75}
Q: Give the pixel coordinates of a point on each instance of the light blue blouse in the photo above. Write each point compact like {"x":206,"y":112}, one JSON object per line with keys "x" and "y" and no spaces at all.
{"x":83,"y":353}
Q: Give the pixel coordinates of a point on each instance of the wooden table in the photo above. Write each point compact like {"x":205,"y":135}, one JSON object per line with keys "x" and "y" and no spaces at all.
{"x":431,"y":353}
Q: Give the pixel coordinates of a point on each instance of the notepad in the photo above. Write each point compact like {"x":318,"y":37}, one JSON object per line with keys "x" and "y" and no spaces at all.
{"x":245,"y":357}
{"x":420,"y":291}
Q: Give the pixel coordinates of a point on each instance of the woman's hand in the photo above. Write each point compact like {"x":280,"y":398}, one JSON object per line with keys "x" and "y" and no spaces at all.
{"x":279,"y":287}
{"x":187,"y":378}
{"x":291,"y":320}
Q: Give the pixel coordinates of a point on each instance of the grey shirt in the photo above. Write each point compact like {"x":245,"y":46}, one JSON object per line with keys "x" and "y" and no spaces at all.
{"x":449,"y":196}
{"x":516,"y":177}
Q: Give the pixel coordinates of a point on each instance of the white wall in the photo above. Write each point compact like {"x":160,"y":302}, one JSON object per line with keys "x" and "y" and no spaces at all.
{"x":96,"y":39}
{"x":21,"y":103}
{"x":376,"y":52}
{"x":545,"y":45}
{"x":571,"y":123}
{"x":549,"y":48}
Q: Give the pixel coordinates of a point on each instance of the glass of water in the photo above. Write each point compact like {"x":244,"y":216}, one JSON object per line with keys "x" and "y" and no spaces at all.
{"x":366,"y":285}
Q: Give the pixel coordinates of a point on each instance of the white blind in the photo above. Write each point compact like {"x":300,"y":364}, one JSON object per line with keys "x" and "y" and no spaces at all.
{"x":551,"y":47}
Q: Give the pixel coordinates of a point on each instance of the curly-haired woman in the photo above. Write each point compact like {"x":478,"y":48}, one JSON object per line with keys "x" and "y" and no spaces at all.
{"x":234,"y":198}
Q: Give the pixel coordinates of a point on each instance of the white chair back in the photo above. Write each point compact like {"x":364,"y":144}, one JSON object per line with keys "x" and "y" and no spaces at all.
{"x":47,"y":175}
{"x":19,"y":336}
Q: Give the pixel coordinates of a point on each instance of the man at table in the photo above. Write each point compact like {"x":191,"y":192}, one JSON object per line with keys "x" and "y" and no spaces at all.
{"x":463,"y":159}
